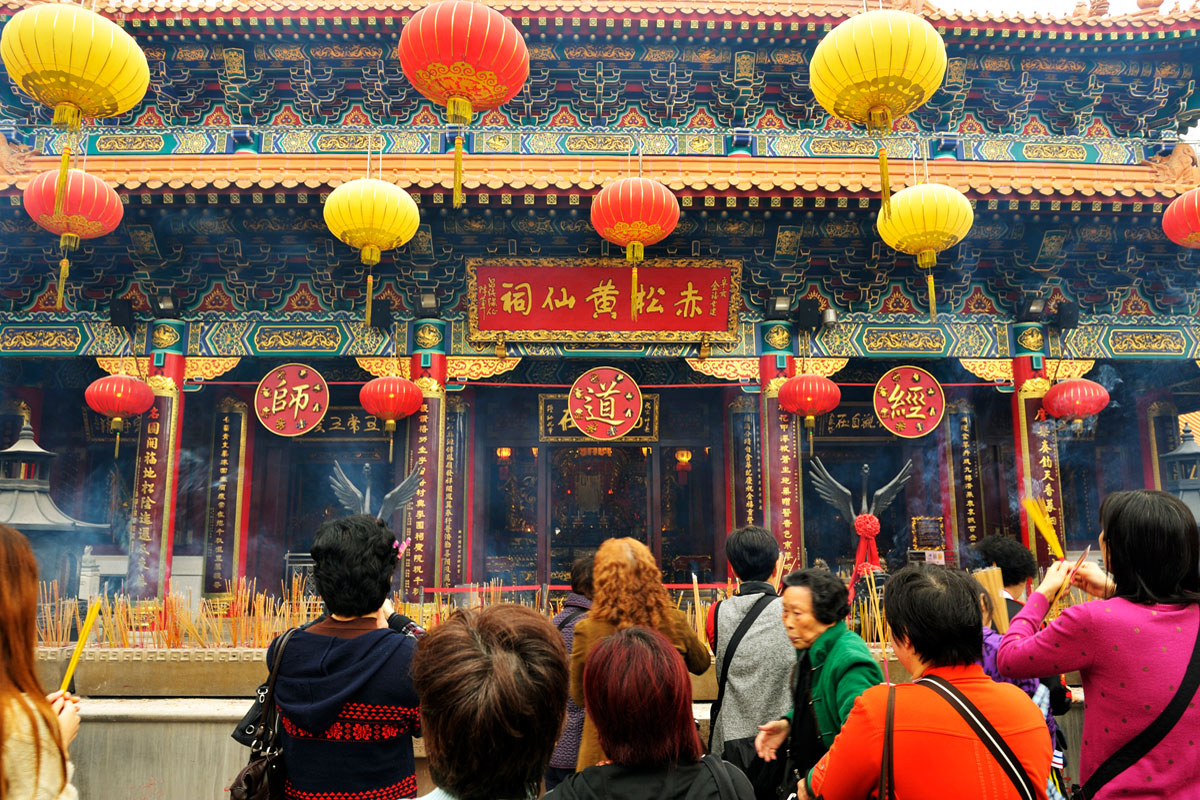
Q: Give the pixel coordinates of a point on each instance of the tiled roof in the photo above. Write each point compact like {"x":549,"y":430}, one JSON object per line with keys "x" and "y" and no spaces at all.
{"x":779,"y":11}
{"x":999,"y":180}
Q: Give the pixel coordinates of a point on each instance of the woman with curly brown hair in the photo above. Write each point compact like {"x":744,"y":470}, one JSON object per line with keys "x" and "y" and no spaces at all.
{"x":627,"y":591}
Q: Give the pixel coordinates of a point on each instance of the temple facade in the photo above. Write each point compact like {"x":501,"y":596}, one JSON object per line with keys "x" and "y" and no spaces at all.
{"x":223,"y":289}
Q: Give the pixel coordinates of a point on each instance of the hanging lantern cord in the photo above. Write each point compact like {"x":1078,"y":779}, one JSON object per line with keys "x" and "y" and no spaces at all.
{"x":458,"y":111}
{"x":880,"y":124}
{"x":926,"y":260}
{"x":370,"y":257}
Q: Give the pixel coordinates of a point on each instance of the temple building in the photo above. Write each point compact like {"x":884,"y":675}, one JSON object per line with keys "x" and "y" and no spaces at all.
{"x":225,"y":292}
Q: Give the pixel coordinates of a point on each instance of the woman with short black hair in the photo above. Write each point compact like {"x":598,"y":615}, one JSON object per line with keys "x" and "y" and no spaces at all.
{"x":833,"y":667}
{"x":348,"y":710}
{"x":1132,"y":645}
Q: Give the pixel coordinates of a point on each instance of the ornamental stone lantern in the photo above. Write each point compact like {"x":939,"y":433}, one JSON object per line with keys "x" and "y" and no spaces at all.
{"x":1181,"y":471}
{"x":26,"y":505}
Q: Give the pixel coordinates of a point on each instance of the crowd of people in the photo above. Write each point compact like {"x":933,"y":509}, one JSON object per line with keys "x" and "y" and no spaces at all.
{"x":597,"y":702}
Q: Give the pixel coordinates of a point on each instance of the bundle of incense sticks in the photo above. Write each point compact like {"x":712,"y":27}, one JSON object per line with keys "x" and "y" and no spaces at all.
{"x":992,"y":582}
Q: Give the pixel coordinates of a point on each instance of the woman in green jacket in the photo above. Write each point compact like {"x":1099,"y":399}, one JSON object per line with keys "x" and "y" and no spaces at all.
{"x":833,"y":667}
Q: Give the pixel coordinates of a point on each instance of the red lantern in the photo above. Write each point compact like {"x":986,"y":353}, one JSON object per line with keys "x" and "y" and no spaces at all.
{"x":119,"y":397}
{"x":390,"y":398}
{"x":1075,"y":399}
{"x":632,"y":213}
{"x":89,"y":208}
{"x":1181,"y":220}
{"x":466,"y":57}
{"x":809,"y":395}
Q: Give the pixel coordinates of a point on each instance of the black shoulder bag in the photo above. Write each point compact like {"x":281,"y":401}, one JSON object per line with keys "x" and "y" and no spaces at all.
{"x":1140,"y":746}
{"x":765,"y":776}
{"x":990,"y":737}
{"x":720,"y":775}
{"x":574,"y":614}
{"x":264,"y":776}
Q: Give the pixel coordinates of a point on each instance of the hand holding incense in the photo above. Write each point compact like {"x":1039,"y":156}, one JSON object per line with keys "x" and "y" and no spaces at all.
{"x":84,"y":632}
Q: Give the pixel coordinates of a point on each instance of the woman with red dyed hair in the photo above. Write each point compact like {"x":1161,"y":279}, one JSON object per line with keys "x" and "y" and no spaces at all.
{"x":627,"y":591}
{"x":639,"y":698}
{"x":34,"y":729}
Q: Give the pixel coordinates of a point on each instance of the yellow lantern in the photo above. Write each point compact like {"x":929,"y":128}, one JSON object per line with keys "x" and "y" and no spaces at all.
{"x":876,"y":67}
{"x":925,"y":220}
{"x":75,"y":61}
{"x":372,"y":216}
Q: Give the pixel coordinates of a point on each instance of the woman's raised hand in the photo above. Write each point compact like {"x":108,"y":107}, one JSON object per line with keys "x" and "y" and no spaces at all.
{"x":1094,"y":580}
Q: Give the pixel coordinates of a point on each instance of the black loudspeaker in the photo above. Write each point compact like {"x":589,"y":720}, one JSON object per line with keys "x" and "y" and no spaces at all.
{"x":808,"y":315}
{"x":381,"y":315}
{"x":120,"y":314}
{"x":1067,"y":316}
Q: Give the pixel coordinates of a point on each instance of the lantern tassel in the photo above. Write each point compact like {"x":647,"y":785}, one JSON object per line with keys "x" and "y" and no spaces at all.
{"x":885,"y":181}
{"x":634,"y":290}
{"x":391,"y":444}
{"x":929,"y":284}
{"x":117,"y":446}
{"x":60,"y":188}
{"x":64,"y":268}
{"x":458,"y":171}
{"x":370,"y":296}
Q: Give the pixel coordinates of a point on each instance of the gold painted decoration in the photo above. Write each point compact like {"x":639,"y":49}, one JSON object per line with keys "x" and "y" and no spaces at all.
{"x":778,"y":337}
{"x":909,"y":402}
{"x":1000,"y":369}
{"x":291,"y":400}
{"x":195,"y":368}
{"x":428,"y":336}
{"x":924,"y":220}
{"x":605,"y":403}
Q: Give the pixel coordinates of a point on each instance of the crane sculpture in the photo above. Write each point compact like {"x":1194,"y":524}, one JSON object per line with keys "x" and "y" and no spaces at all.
{"x":866,"y":521}
{"x":358,"y":501}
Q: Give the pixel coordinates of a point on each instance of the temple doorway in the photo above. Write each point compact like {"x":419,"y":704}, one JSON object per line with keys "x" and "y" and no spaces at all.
{"x":550,"y":494}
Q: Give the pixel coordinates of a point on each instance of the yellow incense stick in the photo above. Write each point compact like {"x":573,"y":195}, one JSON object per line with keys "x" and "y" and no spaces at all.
{"x":93,"y":610}
{"x":1041,"y":521}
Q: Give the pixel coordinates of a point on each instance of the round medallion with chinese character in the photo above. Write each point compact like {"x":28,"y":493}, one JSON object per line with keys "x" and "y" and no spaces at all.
{"x":909,"y":402}
{"x":605,"y":403}
{"x":291,"y":400}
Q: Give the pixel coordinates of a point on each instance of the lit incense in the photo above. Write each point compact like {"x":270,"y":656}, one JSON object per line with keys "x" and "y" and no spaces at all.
{"x":93,"y":610}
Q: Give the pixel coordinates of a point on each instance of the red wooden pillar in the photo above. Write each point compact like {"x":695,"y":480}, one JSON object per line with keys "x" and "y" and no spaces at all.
{"x":1034,"y":437}
{"x":426,"y":454}
{"x":156,"y":480}
{"x":783,"y":508}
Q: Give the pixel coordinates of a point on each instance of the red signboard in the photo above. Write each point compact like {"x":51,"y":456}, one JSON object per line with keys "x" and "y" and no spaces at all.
{"x":291,"y":400}
{"x":909,"y":402}
{"x":594,"y":301}
{"x":605,"y":403}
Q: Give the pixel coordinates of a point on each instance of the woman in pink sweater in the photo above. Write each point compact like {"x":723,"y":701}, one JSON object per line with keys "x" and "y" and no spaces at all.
{"x":1132,"y":646}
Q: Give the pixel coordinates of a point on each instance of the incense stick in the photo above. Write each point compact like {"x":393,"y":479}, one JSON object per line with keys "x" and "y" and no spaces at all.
{"x":1036,"y":511}
{"x":93,"y":610}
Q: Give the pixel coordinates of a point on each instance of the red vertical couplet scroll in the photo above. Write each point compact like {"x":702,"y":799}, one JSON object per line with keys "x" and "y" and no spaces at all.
{"x":784,"y":501}
{"x":423,"y":515}
{"x":455,"y":471}
{"x":1037,"y":465}
{"x":745,"y":463}
{"x":228,"y":498}
{"x":152,"y":516}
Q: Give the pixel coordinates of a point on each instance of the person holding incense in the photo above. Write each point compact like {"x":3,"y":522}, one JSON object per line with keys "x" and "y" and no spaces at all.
{"x":36,"y":730}
{"x":833,"y":667}
{"x":1137,"y":648}
{"x":953,"y":732}
{"x":628,"y":591}
{"x":347,"y":705}
{"x":646,"y":728}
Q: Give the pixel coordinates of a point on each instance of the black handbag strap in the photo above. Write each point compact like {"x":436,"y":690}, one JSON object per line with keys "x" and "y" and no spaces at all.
{"x":268,"y":729}
{"x":739,"y":633}
{"x":990,"y":737}
{"x":887,"y":775}
{"x":573,"y":615}
{"x":720,"y":774}
{"x":1140,"y":746}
